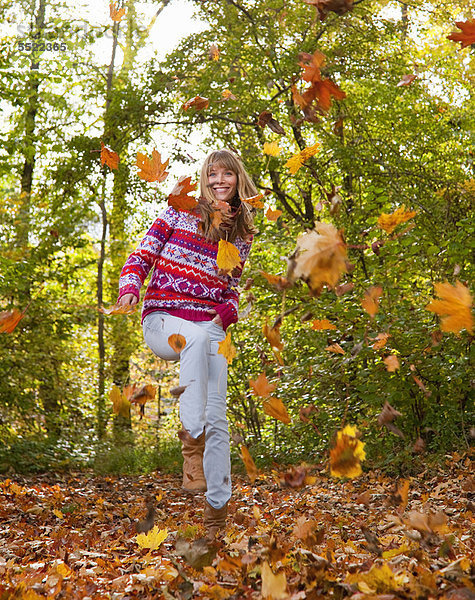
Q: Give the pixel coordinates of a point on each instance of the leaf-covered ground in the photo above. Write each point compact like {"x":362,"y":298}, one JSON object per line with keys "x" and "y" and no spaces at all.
{"x":73,"y":536}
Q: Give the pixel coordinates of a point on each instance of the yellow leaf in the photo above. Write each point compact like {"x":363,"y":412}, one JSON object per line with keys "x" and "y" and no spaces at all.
{"x":249,"y":463}
{"x":319,"y":258}
{"x":296,"y":161}
{"x":379,"y":579}
{"x":116,"y":14}
{"x":227,"y":348}
{"x":119,"y":309}
{"x":370,"y":302}
{"x":255,"y":201}
{"x":388,"y":554}
{"x":228,"y":95}
{"x":228,"y":256}
{"x":392,"y":363}
{"x":389,"y":222}
{"x":273,"y":215}
{"x":454,"y":307}
{"x":177,"y":342}
{"x":151,"y":169}
{"x":120,"y":404}
{"x":272,"y":148}
{"x":347,"y":454}
{"x":214,"y":52}
{"x":63,"y":570}
{"x":322,"y":325}
{"x":275,"y":408}
{"x":152,"y":539}
{"x":58,"y":513}
{"x":273,"y":586}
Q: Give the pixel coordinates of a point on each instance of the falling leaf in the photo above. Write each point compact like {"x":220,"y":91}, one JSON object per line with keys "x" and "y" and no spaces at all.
{"x":387,"y":416}
{"x":279,"y":282}
{"x":272,"y":148}
{"x":228,"y":95}
{"x":340,"y":7}
{"x":275,"y":408}
{"x":152,"y":539}
{"x":273,"y":586}
{"x":426,"y":523}
{"x":381,"y":340}
{"x":227,"y":348}
{"x":179,"y":198}
{"x":143,"y":394}
{"x":9,"y":319}
{"x":305,"y":412}
{"x":454,"y":307}
{"x":255,"y":201}
{"x":151,"y":169}
{"x":347,"y":454}
{"x":370,"y":302}
{"x":266,"y":118}
{"x":392,"y":363}
{"x":380,"y":579}
{"x":261,"y":386}
{"x":296,"y":161}
{"x":319,"y":258}
{"x":419,"y":446}
{"x":249,"y":463}
{"x":177,"y":342}
{"x":272,"y":335}
{"x":322,"y":325}
{"x":119,"y":309}
{"x":214,"y":52}
{"x":273,"y":215}
{"x":228,"y":256}
{"x":198,"y":102}
{"x":115,"y":13}
{"x":176,"y":392}
{"x":389,"y":222}
{"x":336,"y":348}
{"x":199,"y":553}
{"x":466,"y":35}
{"x":344,"y":288}
{"x":406,"y":80}
{"x":120,"y":404}
{"x":109,"y":157}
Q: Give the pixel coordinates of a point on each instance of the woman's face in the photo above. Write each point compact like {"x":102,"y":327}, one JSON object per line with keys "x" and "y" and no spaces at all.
{"x":222,"y":182}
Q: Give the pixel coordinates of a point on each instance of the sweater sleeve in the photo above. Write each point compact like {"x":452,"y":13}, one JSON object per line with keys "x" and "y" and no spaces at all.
{"x":139,"y":263}
{"x":229,"y":309}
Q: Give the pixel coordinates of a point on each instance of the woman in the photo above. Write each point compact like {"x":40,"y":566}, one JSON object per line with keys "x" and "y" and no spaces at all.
{"x":189,"y":295}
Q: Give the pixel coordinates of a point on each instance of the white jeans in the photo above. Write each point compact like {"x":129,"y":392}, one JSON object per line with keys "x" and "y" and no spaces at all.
{"x":203,"y":403}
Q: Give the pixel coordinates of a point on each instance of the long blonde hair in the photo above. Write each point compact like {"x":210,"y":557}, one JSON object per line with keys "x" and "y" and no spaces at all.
{"x":243,"y":223}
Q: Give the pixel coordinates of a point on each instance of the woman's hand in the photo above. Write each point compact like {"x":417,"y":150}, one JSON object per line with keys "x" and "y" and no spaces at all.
{"x":217,"y":318}
{"x":127,"y":300}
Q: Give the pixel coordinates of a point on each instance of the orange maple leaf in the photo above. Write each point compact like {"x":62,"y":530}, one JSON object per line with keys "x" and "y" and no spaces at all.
{"x":9,"y":319}
{"x":142,"y":395}
{"x":466,"y":35}
{"x":179,"y":199}
{"x":227,"y":348}
{"x":116,"y":13}
{"x":249,"y":463}
{"x":198,"y":102}
{"x":273,"y":586}
{"x":255,"y":201}
{"x":228,"y":256}
{"x":319,"y":258}
{"x":340,"y":7}
{"x":280,"y":283}
{"x":405,"y":80}
{"x":389,"y":222}
{"x":392,"y":363}
{"x":347,"y":454}
{"x":273,"y":215}
{"x":118,"y":309}
{"x":454,"y":307}
{"x":177,"y":342}
{"x":381,"y":340}
{"x":370,"y":302}
{"x":151,"y":169}
{"x":312,"y":65}
{"x":275,"y":408}
{"x":261,"y":386}
{"x":336,"y":348}
{"x":272,"y":335}
{"x":322,"y":325}
{"x":109,"y":157}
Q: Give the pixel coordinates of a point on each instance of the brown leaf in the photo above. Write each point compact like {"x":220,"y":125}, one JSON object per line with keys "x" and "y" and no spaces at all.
{"x":466,"y":35}
{"x":249,"y":463}
{"x":177,"y":342}
{"x":370,"y":302}
{"x":109,"y":157}
{"x":179,"y":198}
{"x":275,"y":408}
{"x":266,"y":118}
{"x":198,"y":102}
{"x":406,"y":80}
{"x":9,"y":319}
{"x":340,"y":7}
{"x":119,"y":309}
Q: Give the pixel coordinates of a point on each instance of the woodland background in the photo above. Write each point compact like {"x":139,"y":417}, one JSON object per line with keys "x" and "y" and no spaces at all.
{"x":402,"y":136}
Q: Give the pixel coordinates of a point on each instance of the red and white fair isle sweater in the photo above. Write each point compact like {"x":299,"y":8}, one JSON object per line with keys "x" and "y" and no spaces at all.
{"x":186,"y":281}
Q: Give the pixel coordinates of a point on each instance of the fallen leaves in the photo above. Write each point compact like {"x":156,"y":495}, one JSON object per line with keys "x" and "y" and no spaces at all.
{"x":266,"y":118}
{"x":454,"y":307}
{"x":272,"y":148}
{"x":120,"y":403}
{"x":119,"y":309}
{"x":273,"y":586}
{"x":275,"y":408}
{"x":249,"y":464}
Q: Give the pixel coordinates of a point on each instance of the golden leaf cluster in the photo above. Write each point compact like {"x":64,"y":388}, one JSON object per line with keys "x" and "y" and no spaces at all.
{"x":347,"y":454}
{"x":296,"y":161}
{"x":319,"y":259}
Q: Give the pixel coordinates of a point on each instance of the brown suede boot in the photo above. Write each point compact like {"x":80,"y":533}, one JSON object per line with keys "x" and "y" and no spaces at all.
{"x":192,"y":449}
{"x":214,"y":519}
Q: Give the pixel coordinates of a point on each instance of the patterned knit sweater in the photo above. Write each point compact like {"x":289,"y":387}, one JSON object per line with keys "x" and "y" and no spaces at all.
{"x":185,"y":281}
